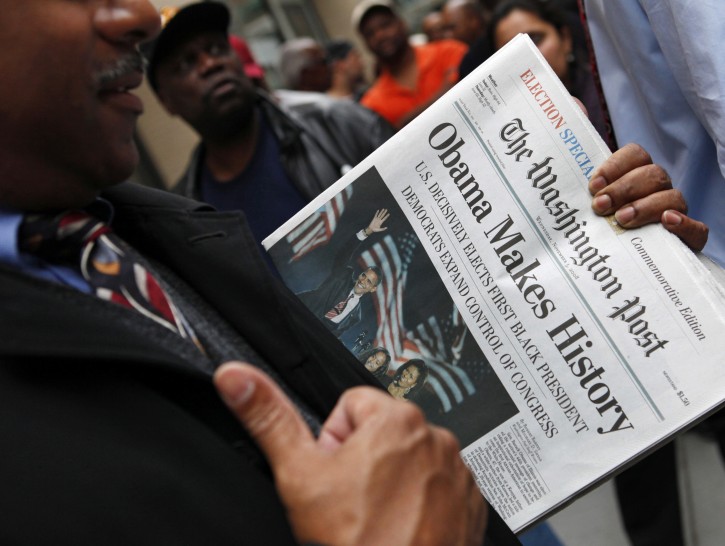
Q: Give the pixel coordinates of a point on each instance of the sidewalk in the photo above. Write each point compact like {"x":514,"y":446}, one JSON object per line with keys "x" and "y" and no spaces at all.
{"x":594,"y":519}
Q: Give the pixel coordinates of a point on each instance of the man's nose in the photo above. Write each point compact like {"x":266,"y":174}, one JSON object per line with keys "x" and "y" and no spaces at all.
{"x":127,"y":21}
{"x":208,"y":62}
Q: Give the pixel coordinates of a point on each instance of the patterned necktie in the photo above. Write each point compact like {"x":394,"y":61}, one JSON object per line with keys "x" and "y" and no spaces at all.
{"x":113,"y":270}
{"x":339,"y":308}
{"x":611,"y":138}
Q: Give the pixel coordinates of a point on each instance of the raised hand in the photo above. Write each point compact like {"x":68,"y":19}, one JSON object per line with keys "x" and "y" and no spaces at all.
{"x":376,"y":224}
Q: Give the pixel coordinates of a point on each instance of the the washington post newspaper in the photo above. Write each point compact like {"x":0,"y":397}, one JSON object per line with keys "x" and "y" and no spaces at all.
{"x":463,"y":266}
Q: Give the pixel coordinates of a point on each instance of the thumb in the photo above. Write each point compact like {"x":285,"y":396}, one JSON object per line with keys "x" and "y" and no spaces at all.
{"x":693,"y":233}
{"x":264,"y":410}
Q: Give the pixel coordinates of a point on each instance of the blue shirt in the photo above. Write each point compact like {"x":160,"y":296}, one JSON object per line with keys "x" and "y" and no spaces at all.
{"x":263,"y":191}
{"x":27,"y":263}
{"x":663,"y":76}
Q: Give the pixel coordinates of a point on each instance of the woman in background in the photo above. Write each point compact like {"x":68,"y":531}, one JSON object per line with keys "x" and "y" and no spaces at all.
{"x":409,"y":379}
{"x":551,"y":30}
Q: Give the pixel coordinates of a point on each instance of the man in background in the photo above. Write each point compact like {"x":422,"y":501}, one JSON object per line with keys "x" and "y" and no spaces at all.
{"x":303,"y":65}
{"x":664,"y":84}
{"x":663,"y":79}
{"x":433,"y":26}
{"x":465,"y":20}
{"x":348,"y":71}
{"x":411,"y":78}
{"x":255,"y":156}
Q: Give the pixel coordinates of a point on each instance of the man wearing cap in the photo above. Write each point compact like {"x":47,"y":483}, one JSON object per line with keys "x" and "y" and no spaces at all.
{"x":411,"y":78}
{"x":254,"y":156}
{"x":113,"y":430}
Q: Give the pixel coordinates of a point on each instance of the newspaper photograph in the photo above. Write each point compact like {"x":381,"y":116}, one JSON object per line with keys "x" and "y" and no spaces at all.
{"x":461,"y":263}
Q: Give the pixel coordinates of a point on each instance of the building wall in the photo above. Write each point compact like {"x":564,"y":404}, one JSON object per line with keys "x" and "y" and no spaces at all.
{"x":168,"y":140}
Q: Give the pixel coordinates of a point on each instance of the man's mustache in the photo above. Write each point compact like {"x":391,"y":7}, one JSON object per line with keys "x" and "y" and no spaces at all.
{"x":121,"y":67}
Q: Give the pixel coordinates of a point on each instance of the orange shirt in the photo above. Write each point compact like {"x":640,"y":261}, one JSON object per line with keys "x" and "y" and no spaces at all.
{"x":392,"y":101}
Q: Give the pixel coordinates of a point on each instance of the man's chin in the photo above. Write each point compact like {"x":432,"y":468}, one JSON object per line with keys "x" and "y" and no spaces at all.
{"x":119,"y":169}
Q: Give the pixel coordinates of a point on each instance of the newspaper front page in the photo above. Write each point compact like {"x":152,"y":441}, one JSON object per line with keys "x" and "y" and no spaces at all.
{"x":556,"y":345}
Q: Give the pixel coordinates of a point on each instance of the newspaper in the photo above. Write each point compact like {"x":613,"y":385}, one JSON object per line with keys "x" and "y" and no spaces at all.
{"x":557,"y":346}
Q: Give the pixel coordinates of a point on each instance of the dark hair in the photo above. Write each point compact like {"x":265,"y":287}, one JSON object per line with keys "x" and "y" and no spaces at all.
{"x":380,"y":372}
{"x":422,"y":376}
{"x":379,"y":274}
{"x":545,"y":10}
{"x":372,"y":11}
{"x":336,"y":50}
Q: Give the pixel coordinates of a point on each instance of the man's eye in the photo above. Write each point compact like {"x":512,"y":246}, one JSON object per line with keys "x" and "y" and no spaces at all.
{"x":184,"y":64}
{"x":217,"y":49}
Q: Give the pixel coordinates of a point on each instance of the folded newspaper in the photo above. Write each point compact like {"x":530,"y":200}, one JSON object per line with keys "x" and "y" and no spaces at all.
{"x":462,"y":264}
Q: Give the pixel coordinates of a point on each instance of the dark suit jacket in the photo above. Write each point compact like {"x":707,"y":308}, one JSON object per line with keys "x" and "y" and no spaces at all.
{"x":109,"y":435}
{"x":335,"y":288}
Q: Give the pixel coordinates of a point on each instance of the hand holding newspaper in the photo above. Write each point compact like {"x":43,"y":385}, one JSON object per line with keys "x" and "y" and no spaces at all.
{"x":555,"y":344}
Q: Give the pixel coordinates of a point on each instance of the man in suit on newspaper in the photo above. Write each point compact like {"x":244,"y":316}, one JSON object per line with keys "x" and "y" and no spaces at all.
{"x":336,"y":301}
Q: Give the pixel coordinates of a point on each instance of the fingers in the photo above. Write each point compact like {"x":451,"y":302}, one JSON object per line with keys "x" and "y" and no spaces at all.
{"x":631,"y":187}
{"x":580,"y":104}
{"x":691,"y":232}
{"x":649,"y":209}
{"x":621,"y":162}
{"x":338,"y":427}
{"x":477,"y":515}
{"x":639,"y":192}
{"x":458,"y":502}
{"x":264,"y":410}
{"x":353,"y":408}
{"x":378,"y":220}
{"x":475,"y":510}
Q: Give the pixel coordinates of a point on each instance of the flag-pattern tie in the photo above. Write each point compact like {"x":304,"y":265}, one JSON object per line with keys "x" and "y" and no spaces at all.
{"x":339,"y":308}
{"x":112,"y":269}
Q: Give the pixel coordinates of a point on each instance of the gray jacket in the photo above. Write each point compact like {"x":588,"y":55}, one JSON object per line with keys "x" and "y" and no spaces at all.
{"x":319,"y":142}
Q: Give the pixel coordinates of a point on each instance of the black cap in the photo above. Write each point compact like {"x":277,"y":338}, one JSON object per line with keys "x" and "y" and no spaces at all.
{"x":186,"y":23}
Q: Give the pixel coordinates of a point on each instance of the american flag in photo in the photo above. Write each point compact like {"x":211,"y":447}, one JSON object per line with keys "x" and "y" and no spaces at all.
{"x":393,"y":258}
{"x":438,"y":345}
{"x":317,"y":230}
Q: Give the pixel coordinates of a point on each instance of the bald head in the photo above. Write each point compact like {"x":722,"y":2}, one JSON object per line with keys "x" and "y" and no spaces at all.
{"x":303,"y":65}
{"x":433,"y":26}
{"x":465,"y":20}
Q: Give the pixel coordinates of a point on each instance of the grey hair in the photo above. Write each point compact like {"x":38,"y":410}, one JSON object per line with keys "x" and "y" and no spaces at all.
{"x":127,"y":64}
{"x":294,"y":59}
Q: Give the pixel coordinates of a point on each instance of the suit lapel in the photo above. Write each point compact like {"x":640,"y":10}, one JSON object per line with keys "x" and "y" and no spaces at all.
{"x":214,"y":254}
{"x":40,"y":318}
